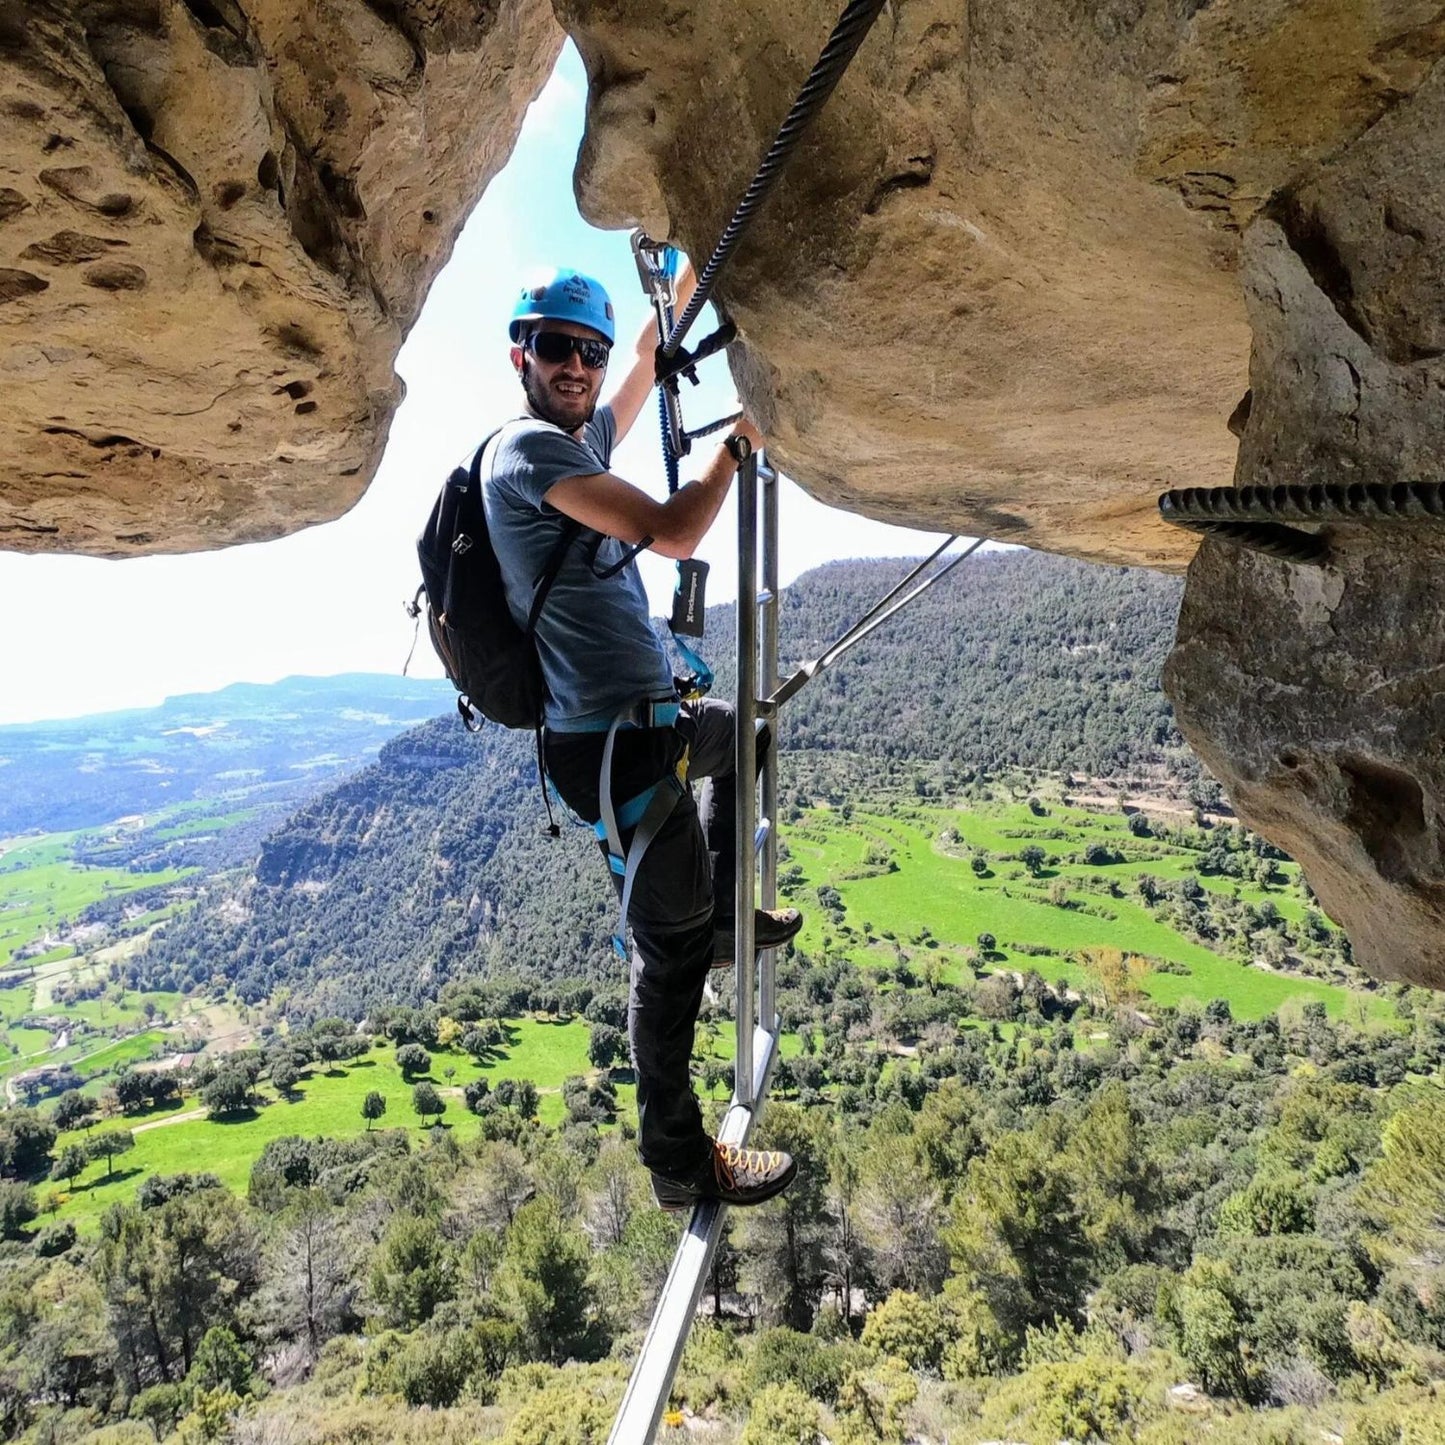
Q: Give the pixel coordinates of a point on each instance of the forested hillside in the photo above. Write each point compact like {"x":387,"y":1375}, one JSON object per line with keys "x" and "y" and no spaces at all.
{"x":1101,"y":1135}
{"x":431,"y":864}
{"x":1016,"y":658}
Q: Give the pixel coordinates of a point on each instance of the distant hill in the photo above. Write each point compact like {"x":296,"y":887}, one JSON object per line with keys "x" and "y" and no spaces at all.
{"x":1017,"y":658}
{"x":276,"y":742}
{"x":433,"y":863}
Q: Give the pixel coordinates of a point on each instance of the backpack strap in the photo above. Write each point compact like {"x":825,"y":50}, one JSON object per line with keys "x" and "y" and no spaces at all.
{"x":542,"y":584}
{"x":548,"y":575}
{"x":540,"y":588}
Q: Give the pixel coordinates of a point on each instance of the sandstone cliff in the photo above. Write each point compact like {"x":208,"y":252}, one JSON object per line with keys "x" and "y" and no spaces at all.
{"x":217,"y":222}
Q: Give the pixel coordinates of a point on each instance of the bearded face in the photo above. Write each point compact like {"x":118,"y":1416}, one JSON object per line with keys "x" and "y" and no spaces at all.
{"x":560,"y":404}
{"x":564,"y":393}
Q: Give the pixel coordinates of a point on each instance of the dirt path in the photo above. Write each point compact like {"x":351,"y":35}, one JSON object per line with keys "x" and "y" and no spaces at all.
{"x":174,"y":1119}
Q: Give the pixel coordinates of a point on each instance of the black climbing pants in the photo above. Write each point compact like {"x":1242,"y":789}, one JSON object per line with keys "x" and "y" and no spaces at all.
{"x":683,"y":892}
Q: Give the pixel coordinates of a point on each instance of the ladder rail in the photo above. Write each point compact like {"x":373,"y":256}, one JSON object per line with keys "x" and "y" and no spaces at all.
{"x":651,"y":1382}
{"x":768,"y":608}
{"x":745,"y":883}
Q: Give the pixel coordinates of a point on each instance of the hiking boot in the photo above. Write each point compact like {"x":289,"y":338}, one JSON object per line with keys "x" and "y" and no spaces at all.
{"x":733,"y":1175}
{"x":772,"y":927}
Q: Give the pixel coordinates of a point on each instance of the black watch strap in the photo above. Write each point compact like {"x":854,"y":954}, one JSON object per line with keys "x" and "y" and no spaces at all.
{"x":739,"y":448}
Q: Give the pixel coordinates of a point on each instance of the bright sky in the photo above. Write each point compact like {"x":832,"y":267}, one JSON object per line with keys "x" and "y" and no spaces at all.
{"x":82,"y":635}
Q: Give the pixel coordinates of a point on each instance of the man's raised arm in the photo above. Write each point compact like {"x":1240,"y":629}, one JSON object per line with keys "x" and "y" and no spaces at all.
{"x":615,"y":507}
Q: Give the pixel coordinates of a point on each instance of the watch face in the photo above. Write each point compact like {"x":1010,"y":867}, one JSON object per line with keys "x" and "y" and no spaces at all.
{"x":740,"y":447}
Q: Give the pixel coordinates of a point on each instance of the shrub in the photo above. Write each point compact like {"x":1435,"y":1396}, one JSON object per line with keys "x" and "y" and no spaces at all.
{"x":785,"y":1357}
{"x":229,"y":1092}
{"x":55,"y":1239}
{"x":412,"y":1059}
{"x":1275,"y":1204}
{"x":909,"y":1328}
{"x":782,"y":1414}
{"x":17,"y":1209}
{"x":427,"y":1369}
{"x":975,"y":1342}
{"x":1088,"y":1399}
{"x":157,"y":1189}
{"x":427,"y":1102}
{"x":220,"y":1364}
{"x":566,"y":1413}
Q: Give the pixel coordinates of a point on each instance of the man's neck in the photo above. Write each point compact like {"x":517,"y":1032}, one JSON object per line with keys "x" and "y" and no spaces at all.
{"x":575,"y":433}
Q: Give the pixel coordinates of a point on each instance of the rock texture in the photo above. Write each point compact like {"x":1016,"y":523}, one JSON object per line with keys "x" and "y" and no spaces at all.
{"x":1317,"y":695}
{"x":1011,"y":287}
{"x":998,"y":290}
{"x":217,"y":220}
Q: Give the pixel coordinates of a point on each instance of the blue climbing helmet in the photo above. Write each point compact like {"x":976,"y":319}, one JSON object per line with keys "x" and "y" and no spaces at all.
{"x":563,"y":295}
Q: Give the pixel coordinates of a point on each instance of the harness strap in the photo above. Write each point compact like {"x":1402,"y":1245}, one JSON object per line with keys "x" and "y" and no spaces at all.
{"x":645,"y":814}
{"x":664,"y":799}
{"x":611,"y":834}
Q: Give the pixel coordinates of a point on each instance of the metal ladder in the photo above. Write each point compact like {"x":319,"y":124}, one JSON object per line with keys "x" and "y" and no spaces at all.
{"x":761,"y":691}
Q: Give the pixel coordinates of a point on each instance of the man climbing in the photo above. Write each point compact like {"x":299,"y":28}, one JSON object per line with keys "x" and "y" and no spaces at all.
{"x":602,"y":662}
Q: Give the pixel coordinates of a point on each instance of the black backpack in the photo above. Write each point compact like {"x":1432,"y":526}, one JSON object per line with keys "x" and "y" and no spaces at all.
{"x":491,"y":661}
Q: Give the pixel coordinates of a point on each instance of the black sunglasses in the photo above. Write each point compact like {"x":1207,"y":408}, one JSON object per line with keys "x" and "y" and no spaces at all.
{"x":554,"y":347}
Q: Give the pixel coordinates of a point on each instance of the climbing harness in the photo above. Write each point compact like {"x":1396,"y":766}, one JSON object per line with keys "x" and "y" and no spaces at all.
{"x":1257,"y":517}
{"x":648,"y":811}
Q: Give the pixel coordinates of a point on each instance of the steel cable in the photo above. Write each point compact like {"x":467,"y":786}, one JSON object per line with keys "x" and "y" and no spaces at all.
{"x":713,"y":426}
{"x":849,"y":33}
{"x":1254,"y":516}
{"x":664,"y":412}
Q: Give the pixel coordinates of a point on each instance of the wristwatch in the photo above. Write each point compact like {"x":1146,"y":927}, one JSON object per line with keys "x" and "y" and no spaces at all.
{"x":739,"y":448}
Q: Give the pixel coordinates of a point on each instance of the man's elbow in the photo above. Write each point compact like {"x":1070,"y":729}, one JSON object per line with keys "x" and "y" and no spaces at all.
{"x":676,"y":545}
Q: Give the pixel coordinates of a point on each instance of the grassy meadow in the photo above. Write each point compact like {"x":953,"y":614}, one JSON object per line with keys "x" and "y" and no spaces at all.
{"x":908,"y":870}
{"x":44,"y":889}
{"x":327,"y":1102}
{"x":42,"y":886}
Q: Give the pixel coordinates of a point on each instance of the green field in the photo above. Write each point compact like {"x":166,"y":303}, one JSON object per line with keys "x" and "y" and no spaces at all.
{"x":905,"y":882}
{"x":934,"y":888}
{"x":328,"y":1102}
{"x":41,"y":885}
{"x":42,"y":889}
{"x":194,"y":819}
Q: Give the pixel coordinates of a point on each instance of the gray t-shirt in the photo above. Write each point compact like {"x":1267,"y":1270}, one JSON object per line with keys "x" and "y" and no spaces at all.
{"x":598,"y":650}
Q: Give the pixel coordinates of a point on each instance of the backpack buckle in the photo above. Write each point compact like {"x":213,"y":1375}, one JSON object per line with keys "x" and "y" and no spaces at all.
{"x":472,"y":720}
